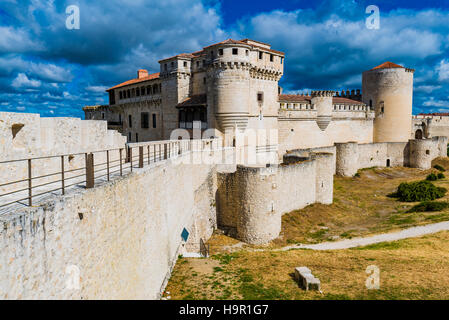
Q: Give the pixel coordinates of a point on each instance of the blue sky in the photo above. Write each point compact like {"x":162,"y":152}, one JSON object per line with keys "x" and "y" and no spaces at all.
{"x":48,"y":69}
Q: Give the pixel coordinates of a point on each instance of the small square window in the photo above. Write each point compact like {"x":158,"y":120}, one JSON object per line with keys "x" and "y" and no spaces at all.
{"x":235,"y":51}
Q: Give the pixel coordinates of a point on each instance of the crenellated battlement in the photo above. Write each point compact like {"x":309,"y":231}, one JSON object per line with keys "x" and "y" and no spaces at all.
{"x":354,"y":94}
{"x":322,"y":93}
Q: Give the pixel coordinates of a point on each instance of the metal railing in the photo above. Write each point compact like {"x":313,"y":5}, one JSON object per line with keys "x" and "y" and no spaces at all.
{"x":204,"y":249}
{"x":55,"y":174}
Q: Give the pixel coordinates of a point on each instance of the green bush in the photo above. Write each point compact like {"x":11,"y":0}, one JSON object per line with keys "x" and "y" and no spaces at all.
{"x":432,"y":177}
{"x":427,"y":206}
{"x":441,"y":175}
{"x":418,"y":191}
{"x":438,"y":167}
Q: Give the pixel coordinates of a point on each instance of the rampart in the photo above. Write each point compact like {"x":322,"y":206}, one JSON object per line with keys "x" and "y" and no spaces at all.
{"x":252,"y":200}
{"x":122,"y":237}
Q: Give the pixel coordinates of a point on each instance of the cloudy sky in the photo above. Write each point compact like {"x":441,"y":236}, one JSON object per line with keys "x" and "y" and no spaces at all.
{"x":49,"y":69}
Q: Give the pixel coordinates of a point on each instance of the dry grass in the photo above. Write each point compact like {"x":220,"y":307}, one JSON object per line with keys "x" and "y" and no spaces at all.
{"x":409,"y":269}
{"x":361,"y":207}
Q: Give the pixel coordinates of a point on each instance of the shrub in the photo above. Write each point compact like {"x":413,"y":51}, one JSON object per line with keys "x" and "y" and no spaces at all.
{"x":440,"y":168}
{"x":432,"y":177}
{"x":440,"y":175}
{"x":427,"y":206}
{"x":418,"y":191}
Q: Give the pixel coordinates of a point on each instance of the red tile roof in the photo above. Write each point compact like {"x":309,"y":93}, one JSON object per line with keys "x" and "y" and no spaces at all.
{"x":439,"y":114}
{"x":294,"y":98}
{"x":387,"y":65}
{"x":137,"y":80}
{"x":297,"y":98}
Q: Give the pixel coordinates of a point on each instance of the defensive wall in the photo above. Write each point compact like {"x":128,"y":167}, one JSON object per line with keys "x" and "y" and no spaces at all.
{"x":123,"y":236}
{"x":252,"y":200}
{"x":348,"y":157}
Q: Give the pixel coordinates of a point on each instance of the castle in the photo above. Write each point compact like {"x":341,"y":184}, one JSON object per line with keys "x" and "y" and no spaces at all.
{"x":125,"y":233}
{"x":234,"y":84}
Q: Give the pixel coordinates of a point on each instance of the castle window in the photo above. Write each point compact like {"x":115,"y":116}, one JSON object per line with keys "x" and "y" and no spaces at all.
{"x":382,"y":109}
{"x":137,"y":92}
{"x":271,"y":57}
{"x":204,"y":80}
{"x":427,"y":151}
{"x":220,"y":52}
{"x":204,"y":63}
{"x":235,"y":51}
{"x":247,"y":52}
{"x":261,"y":55}
{"x":130,"y":123}
{"x":154,"y":120}
{"x":154,"y":89}
{"x":282,"y":60}
{"x":148,"y":90}
{"x":165,"y":66}
{"x":182,"y":119}
{"x":142,"y":91}
{"x":102,"y":115}
{"x":129,"y":136}
{"x":172,"y":64}
{"x":260,"y":97}
{"x":137,"y":137}
{"x":197,"y":64}
{"x":212,"y":54}
{"x":129,"y":93}
{"x":145,"y":120}
{"x":185,"y":64}
{"x":371,"y":104}
{"x":121,"y":95}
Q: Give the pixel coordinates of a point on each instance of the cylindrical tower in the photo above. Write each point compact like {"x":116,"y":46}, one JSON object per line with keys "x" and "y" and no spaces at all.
{"x":421,"y":153}
{"x":323,"y":103}
{"x":388,"y":89}
{"x":230,"y":78}
{"x":347,"y":159}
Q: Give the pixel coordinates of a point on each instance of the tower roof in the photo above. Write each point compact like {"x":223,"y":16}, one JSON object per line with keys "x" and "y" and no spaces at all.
{"x":387,"y":65}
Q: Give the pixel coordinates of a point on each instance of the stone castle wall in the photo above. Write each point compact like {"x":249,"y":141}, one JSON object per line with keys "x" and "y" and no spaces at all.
{"x":352,"y":156}
{"x":123,"y":237}
{"x":253,"y":200}
{"x":24,"y":136}
{"x":303,"y":134}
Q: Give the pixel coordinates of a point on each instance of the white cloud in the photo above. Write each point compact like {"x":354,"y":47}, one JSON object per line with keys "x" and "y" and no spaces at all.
{"x":22,"y":81}
{"x":443,"y":70}
{"x":436,"y":103}
{"x":96,"y":89}
{"x":426,"y":88}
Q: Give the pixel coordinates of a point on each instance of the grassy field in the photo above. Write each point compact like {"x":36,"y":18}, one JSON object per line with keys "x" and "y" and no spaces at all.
{"x":409,"y":269}
{"x":361,"y":207}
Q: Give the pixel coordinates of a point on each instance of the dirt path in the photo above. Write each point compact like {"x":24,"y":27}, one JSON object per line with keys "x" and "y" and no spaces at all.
{"x":358,"y":242}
